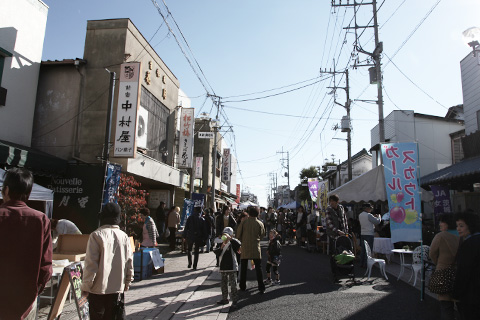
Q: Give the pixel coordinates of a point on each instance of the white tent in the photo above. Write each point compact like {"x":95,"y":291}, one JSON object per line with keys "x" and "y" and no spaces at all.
{"x":39,"y":193}
{"x":370,"y":186}
{"x":246,"y":204}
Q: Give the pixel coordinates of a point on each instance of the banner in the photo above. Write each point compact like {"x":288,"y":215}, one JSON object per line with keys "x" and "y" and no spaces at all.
{"x":226,"y":165}
{"x":112,"y":181}
{"x":198,"y":167}
{"x":126,"y":124}
{"x":186,"y":211}
{"x":198,"y":199}
{"x":442,"y":203}
{"x":400,"y":162}
{"x":323,"y":197}
{"x":238,"y":194}
{"x":187,"y":121}
{"x":313,"y":188}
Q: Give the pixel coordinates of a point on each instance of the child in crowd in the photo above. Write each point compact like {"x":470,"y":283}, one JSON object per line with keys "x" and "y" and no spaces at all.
{"x":274,"y":251}
{"x":229,"y":266}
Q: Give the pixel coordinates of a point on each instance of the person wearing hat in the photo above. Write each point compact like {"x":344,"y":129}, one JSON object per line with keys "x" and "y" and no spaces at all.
{"x":367,"y":229}
{"x":108,"y":269}
{"x":228,"y":262}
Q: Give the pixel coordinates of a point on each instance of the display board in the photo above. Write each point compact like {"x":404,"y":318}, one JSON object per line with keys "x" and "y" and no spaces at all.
{"x":71,"y":277}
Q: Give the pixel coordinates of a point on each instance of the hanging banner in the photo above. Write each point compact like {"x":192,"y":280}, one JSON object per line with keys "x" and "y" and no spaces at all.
{"x":313,"y":188}
{"x":198,"y":167}
{"x":126,"y":124}
{"x":400,"y":162}
{"x":226,"y":165}
{"x":187,"y":121}
{"x":238,"y":194}
{"x":442,"y":203}
{"x":187,"y":211}
{"x":112,"y":181}
{"x":198,"y":199}
{"x":322,"y":197}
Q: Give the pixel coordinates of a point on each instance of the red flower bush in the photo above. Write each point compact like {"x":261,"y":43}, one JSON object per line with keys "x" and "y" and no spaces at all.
{"x":132,"y":199}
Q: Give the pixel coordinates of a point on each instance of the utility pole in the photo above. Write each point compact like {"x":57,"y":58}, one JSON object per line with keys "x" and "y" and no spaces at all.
{"x":287,"y":167}
{"x":375,"y":55}
{"x":347,"y":107}
{"x":217,"y":102}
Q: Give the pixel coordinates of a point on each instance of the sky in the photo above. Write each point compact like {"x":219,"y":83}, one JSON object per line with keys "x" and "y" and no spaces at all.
{"x":271,"y":53}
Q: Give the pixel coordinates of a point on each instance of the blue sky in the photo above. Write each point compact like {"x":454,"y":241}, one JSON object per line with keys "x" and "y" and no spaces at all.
{"x":253,"y":46}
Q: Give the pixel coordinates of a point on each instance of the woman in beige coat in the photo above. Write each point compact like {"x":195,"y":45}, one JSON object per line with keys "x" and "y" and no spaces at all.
{"x":173,"y":219}
{"x":443,"y":251}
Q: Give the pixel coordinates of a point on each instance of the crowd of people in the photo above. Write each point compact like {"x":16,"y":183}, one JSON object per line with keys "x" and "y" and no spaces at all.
{"x":234,"y":235}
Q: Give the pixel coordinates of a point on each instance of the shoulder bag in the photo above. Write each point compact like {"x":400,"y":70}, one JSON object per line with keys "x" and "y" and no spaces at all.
{"x":442,"y":281}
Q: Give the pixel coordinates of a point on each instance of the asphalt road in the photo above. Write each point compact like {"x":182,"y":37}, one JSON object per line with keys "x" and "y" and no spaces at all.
{"x":307,"y":291}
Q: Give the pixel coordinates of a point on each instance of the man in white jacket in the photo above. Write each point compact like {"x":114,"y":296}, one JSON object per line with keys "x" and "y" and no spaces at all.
{"x":108,"y":269}
{"x":367,"y":224}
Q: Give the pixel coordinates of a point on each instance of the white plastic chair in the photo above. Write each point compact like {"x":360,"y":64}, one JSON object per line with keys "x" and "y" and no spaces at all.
{"x":371,"y":261}
{"x":417,"y":261}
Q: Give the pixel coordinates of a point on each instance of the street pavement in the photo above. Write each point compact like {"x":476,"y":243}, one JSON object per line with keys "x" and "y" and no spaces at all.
{"x":306,"y":291}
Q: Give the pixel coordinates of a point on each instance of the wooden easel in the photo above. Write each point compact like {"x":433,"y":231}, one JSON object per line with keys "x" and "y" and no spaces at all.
{"x":71,"y":276}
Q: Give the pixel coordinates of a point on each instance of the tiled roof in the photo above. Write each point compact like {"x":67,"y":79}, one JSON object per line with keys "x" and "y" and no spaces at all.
{"x":468,"y":168}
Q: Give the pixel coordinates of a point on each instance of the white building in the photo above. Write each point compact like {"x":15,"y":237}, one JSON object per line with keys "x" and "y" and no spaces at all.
{"x":431,"y":132}
{"x":470,"y":69}
{"x":22,"y":30}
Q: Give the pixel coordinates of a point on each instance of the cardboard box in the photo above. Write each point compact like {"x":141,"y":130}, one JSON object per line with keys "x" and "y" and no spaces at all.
{"x":71,"y":246}
{"x":159,"y":270}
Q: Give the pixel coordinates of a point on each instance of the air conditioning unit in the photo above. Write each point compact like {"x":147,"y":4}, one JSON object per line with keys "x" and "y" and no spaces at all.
{"x":142,"y":127}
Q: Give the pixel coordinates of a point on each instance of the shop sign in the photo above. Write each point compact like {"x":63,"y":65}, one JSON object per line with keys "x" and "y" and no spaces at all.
{"x":206,"y":135}
{"x":186,"y":138}
{"x":198,"y":167}
{"x":226,"y":165}
{"x":128,"y":101}
{"x":238,"y":194}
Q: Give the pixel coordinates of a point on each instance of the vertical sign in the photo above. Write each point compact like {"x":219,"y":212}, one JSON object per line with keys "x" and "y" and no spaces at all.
{"x":187,"y":211}
{"x":187,"y":121}
{"x":226,"y":165}
{"x":112,"y":181}
{"x":313,"y":188}
{"x":400,"y":162}
{"x":126,"y":124}
{"x":442,"y":203}
{"x":198,"y":199}
{"x":238,"y":194}
{"x":198,"y":167}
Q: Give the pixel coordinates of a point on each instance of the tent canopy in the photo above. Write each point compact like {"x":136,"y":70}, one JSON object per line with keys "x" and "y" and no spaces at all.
{"x":246,"y":204}
{"x":370,"y":186}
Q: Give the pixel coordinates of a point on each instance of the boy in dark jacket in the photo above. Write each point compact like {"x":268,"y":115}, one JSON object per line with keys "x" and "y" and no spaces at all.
{"x":274,"y":252}
{"x":229,"y":266}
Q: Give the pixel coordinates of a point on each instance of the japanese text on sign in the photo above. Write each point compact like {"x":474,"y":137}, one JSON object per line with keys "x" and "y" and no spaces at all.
{"x":126,"y":123}
{"x":187,"y":122}
{"x":401,"y":182}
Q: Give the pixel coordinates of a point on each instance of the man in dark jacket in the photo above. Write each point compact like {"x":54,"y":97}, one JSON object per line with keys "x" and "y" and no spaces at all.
{"x":196,"y":232}
{"x":25,"y":238}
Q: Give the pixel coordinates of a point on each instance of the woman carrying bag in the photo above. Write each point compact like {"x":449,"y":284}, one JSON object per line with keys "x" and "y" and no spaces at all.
{"x":442,"y":252}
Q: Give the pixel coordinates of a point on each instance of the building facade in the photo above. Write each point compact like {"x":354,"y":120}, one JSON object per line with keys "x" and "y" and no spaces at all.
{"x":73,"y":101}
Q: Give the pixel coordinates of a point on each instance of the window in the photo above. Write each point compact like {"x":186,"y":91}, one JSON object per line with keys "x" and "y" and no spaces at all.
{"x":478,"y":120}
{"x":3,"y":54}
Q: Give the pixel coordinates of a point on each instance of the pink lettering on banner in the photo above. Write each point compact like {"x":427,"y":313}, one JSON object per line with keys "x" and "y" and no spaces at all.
{"x":411,"y":203}
{"x":395,"y":184}
{"x":390,"y":152}
{"x":408,"y":173}
{"x":407,"y":157}
{"x":410,"y":186}
{"x":394,"y":167}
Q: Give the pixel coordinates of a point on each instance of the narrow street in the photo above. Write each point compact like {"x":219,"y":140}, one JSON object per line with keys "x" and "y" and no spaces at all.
{"x":308,"y":292}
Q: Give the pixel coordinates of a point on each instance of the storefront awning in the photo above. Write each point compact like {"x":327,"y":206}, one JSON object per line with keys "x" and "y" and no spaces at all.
{"x":459,"y":176}
{"x":36,"y":161}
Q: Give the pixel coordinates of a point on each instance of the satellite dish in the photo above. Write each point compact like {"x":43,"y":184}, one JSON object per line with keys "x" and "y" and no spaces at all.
{"x":141,"y":126}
